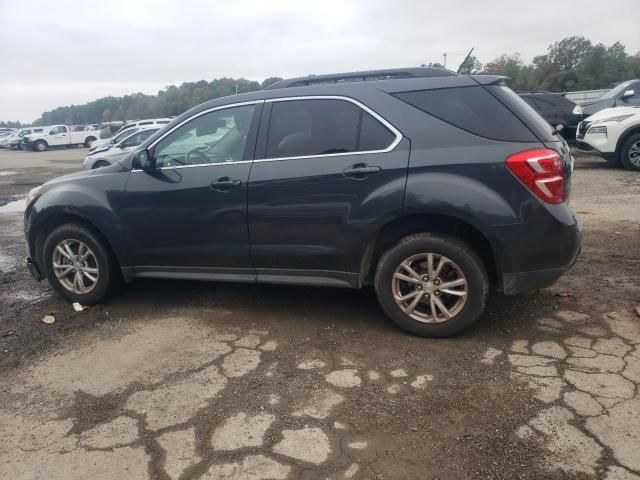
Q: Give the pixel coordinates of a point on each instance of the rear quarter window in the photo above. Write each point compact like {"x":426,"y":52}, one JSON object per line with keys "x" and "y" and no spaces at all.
{"x":473,"y":109}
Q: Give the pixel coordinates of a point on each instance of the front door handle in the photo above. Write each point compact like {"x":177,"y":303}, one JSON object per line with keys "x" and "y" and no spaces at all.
{"x":359,"y":171}
{"x":223,"y":184}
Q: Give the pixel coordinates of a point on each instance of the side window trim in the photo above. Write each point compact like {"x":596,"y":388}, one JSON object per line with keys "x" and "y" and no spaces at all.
{"x":268,"y":102}
{"x":252,"y":133}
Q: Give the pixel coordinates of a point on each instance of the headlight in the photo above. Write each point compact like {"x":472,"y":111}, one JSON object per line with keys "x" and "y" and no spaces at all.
{"x":601,"y":129}
{"x":32,"y":194}
{"x":577,"y":110}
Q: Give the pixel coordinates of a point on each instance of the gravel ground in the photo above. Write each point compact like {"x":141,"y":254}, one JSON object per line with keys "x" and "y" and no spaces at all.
{"x":203,"y":380}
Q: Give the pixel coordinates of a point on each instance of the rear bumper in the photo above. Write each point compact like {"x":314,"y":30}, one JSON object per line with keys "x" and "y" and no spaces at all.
{"x":534,"y":255}
{"x":521,"y":282}
{"x":33,"y":268}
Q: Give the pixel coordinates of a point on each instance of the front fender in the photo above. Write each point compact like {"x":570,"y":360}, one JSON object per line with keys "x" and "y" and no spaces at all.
{"x":86,"y":195}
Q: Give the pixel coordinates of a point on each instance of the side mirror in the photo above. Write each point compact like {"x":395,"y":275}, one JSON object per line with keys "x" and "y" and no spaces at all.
{"x":142,"y":160}
{"x":628,"y":93}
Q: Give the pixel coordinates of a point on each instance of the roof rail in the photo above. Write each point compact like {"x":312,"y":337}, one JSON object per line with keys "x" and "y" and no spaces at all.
{"x":369,"y":75}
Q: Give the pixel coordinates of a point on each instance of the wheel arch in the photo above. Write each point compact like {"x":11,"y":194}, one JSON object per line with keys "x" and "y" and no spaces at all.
{"x":625,"y":135}
{"x":61,"y":218}
{"x":393,"y":231}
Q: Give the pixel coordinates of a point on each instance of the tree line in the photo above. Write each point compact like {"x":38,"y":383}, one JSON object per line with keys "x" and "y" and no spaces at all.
{"x":171,"y":101}
{"x":573,"y":63}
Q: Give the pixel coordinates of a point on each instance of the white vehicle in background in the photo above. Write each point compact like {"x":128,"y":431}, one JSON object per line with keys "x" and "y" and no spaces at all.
{"x":106,"y":143}
{"x":145,"y":123}
{"x":14,"y":140}
{"x":118,"y":151}
{"x":59,"y":136}
{"x":614,"y":133}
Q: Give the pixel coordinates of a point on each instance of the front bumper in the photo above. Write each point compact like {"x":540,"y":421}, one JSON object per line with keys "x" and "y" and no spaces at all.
{"x":33,"y":268}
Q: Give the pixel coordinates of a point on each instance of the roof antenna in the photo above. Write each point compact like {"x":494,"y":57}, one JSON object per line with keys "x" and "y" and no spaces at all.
{"x":465,"y":59}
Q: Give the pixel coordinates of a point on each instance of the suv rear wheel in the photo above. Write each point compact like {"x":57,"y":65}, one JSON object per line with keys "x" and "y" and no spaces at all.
{"x":77,"y":264}
{"x":432,"y":285}
{"x":630,"y":153}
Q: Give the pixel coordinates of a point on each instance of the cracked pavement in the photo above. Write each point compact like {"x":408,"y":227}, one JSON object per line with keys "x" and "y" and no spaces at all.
{"x":192,"y":380}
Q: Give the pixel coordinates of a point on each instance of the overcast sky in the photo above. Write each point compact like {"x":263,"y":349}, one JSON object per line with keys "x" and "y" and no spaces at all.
{"x":65,"y":52}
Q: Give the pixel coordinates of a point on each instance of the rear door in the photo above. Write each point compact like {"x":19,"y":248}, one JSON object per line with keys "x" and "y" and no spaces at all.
{"x":330,"y":170}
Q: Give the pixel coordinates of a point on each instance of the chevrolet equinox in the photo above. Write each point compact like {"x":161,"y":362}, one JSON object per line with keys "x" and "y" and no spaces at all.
{"x":431,"y":186}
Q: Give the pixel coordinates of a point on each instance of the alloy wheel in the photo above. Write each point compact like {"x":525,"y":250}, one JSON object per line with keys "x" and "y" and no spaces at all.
{"x":430,"y":288}
{"x":634,"y":154}
{"x":75,"y":266}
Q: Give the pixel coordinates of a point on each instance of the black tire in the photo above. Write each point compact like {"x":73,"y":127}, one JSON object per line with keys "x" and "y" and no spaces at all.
{"x":87,"y":142}
{"x":106,"y":275}
{"x":625,"y":159}
{"x":40,"y":146}
{"x":613,"y":159}
{"x":100,"y":164}
{"x":452,"y":248}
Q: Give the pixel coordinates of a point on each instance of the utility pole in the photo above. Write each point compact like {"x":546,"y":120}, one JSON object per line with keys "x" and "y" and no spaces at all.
{"x":444,"y":60}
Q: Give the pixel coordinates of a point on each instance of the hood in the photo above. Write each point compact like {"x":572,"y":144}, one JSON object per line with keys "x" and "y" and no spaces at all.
{"x":70,"y":176}
{"x":103,"y":147}
{"x":613,"y":112}
{"x":591,"y":102}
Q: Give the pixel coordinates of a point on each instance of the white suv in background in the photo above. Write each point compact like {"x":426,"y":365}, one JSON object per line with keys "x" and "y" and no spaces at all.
{"x":149,"y":122}
{"x":615,"y":134}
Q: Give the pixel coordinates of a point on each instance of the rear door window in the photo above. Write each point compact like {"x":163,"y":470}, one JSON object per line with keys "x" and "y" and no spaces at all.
{"x":300,"y":128}
{"x":473,"y":109}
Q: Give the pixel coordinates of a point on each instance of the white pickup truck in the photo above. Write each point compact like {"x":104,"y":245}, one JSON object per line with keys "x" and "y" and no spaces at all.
{"x":59,"y":136}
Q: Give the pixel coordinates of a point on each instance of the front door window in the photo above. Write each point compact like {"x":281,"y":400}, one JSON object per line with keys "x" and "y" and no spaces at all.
{"x":215,"y":137}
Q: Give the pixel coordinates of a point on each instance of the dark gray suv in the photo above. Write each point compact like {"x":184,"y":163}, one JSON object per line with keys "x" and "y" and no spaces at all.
{"x":428,"y":185}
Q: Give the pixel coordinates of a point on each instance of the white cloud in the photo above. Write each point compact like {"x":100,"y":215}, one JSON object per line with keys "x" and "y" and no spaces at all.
{"x":62,"y":52}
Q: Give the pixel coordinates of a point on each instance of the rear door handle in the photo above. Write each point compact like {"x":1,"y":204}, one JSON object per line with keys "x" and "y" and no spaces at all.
{"x":223,"y":184}
{"x":360,"y":171}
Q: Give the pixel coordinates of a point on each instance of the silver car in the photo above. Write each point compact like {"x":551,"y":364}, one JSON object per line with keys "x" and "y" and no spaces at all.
{"x":115,"y":153}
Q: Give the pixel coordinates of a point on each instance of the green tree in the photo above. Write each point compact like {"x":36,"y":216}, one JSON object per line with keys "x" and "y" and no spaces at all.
{"x":269,"y":81}
{"x":565,"y":54}
{"x":432,"y":65}
{"x":470,"y":65}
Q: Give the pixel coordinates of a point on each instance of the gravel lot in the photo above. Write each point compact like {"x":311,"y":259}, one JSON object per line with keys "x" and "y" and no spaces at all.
{"x":201,"y":380}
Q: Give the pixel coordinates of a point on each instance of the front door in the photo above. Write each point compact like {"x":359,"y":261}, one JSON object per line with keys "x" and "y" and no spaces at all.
{"x":59,"y":136}
{"x":189,"y":214}
{"x":631,"y":101}
{"x":332,"y":171}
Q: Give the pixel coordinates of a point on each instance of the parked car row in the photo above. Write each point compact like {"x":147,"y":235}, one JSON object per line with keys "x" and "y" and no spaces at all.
{"x":94,"y":136}
{"x":609,"y":126}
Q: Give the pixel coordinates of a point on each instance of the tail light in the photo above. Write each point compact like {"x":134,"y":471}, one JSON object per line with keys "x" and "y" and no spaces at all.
{"x":541,"y":171}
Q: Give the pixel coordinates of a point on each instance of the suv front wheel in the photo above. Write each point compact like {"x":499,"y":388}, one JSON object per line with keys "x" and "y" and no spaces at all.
{"x":77,"y":264}
{"x":630,"y":153}
{"x":432,"y":285}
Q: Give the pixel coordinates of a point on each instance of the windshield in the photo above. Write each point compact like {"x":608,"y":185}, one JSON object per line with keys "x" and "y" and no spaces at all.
{"x":614,"y":92}
{"x":124,"y":134}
